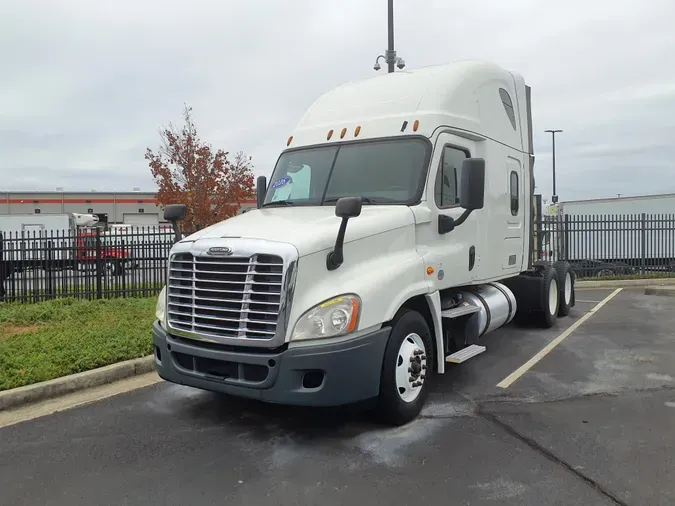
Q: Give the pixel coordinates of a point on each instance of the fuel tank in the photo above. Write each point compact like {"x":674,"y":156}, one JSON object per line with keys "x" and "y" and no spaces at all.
{"x":496,"y":303}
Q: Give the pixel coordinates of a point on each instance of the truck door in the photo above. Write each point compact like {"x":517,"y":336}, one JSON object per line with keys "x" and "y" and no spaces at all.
{"x":512,"y":255}
{"x":454,"y":255}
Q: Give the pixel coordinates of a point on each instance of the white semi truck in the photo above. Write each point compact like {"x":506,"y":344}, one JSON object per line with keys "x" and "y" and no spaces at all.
{"x":396,"y":232}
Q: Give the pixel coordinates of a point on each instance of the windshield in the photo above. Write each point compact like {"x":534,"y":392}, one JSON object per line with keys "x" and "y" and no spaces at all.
{"x":383,"y":172}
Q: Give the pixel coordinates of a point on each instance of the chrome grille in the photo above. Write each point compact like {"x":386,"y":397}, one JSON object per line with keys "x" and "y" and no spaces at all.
{"x":233,"y":297}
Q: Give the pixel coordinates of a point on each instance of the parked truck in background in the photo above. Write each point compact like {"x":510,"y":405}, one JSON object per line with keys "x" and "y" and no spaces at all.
{"x":614,"y":236}
{"x":395,"y":234}
{"x":55,"y":241}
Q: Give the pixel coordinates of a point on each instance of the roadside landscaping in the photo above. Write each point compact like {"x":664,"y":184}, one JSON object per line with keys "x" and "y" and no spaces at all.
{"x":47,"y":340}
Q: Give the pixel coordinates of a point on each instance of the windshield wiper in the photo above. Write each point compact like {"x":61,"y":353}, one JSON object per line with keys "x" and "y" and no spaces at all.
{"x":366,"y":200}
{"x":279,"y":203}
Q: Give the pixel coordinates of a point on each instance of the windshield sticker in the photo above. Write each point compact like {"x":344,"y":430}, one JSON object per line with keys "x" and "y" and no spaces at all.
{"x":281,"y":182}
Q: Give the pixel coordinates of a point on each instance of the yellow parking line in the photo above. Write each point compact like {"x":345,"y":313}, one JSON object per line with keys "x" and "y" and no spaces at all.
{"x":506,"y":382}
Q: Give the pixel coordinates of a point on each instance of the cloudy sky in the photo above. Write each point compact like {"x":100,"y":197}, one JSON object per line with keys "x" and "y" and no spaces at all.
{"x":85,"y":85}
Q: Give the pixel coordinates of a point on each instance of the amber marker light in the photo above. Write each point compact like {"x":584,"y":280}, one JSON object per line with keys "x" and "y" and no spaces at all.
{"x":355,"y":315}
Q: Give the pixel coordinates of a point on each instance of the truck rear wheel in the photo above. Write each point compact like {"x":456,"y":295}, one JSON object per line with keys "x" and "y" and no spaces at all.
{"x":550,"y":298}
{"x":565,"y":286}
{"x":408,"y":361}
{"x":116,"y":267}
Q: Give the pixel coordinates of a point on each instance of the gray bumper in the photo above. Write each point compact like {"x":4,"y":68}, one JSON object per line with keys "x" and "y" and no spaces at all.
{"x":322,"y":375}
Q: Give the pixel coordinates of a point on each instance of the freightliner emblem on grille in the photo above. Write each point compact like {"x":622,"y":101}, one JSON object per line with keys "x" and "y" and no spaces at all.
{"x":220,"y":251}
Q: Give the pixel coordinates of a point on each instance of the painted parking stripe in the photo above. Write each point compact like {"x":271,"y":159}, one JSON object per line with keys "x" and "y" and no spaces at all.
{"x":506,"y":382}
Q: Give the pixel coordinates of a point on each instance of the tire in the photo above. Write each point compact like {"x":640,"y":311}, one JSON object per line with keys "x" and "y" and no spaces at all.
{"x":565,"y":287}
{"x":116,"y":268}
{"x":399,"y":402}
{"x":550,"y":298}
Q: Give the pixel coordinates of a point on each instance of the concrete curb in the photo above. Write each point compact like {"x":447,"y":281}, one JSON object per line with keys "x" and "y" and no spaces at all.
{"x":666,"y":291}
{"x":67,"y":384}
{"x":626,"y":283}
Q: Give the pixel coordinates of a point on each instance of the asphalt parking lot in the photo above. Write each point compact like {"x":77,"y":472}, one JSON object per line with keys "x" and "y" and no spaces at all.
{"x":590,"y":423}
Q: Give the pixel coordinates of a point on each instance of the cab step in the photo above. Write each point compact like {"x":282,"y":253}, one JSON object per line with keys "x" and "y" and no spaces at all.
{"x":465,"y":354}
{"x":461,"y":310}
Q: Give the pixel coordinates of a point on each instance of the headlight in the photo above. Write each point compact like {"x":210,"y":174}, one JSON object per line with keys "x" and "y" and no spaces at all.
{"x":160,"y":309}
{"x":332,"y":318}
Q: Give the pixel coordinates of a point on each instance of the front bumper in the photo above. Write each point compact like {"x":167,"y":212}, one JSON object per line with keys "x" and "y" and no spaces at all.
{"x":320,"y":375}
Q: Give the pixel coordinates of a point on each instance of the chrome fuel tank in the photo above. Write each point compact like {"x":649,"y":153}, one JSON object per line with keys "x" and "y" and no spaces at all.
{"x":496,"y":302}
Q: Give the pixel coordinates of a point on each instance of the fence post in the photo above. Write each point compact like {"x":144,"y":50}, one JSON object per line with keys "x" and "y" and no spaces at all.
{"x":5,"y":269}
{"x":35,"y":260}
{"x":643,"y":243}
{"x":99,"y":265}
{"x":49,"y":270}
{"x":566,"y":238}
{"x":539,"y":229}
{"x":123,"y":247}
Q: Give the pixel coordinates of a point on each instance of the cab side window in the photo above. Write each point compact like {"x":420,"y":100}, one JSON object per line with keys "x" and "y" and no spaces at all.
{"x":446,"y":188}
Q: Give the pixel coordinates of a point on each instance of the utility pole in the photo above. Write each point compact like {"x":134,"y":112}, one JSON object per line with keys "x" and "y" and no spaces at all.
{"x":554,"y":197}
{"x":389,"y":56}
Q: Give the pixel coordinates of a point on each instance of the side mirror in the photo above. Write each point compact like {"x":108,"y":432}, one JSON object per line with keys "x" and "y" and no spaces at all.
{"x":348,"y":207}
{"x":345,"y":208}
{"x":173,"y":213}
{"x":260,"y":190}
{"x":472,"y":184}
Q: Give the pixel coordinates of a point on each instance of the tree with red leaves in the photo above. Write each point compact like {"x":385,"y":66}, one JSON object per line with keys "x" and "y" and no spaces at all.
{"x":187,"y":171}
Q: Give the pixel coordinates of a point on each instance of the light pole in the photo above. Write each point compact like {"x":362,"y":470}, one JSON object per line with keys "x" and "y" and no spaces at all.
{"x":554,"y":197}
{"x":389,"y":56}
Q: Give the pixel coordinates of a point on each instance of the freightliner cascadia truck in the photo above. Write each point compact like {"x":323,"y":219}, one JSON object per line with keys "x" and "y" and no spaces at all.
{"x":396,"y":231}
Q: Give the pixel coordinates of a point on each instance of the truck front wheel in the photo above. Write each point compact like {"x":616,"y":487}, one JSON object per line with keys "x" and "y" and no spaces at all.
{"x":408,"y":363}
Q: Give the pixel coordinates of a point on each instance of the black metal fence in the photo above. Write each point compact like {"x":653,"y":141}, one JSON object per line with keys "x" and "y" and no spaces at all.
{"x":88,"y":264}
{"x":95,"y":264}
{"x":610,"y":245}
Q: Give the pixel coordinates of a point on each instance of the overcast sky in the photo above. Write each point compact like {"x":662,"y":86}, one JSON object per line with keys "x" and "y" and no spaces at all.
{"x":85,"y":85}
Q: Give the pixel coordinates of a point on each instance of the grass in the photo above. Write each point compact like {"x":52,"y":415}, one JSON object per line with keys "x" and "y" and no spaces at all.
{"x":47,"y":340}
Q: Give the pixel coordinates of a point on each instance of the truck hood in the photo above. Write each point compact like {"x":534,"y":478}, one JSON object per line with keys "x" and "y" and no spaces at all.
{"x":309,"y":229}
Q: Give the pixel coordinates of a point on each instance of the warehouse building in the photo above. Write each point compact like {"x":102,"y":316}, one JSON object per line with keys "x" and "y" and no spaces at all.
{"x":135,"y":208}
